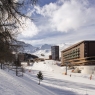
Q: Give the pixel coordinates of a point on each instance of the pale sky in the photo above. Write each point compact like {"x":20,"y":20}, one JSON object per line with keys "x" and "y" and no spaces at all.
{"x":59,"y":21}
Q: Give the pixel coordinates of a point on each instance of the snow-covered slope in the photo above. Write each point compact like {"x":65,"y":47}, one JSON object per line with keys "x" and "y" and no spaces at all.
{"x":44,"y":49}
{"x":45,"y":52}
{"x":28,"y":48}
{"x":54,"y":83}
{"x":12,"y":85}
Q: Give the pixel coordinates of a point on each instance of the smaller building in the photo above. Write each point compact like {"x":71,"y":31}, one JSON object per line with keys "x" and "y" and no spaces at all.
{"x":50,"y":56}
{"x":21,"y":57}
{"x":55,"y":52}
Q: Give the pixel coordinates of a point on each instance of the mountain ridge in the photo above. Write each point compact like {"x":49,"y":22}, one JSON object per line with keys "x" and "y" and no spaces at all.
{"x":43,"y":49}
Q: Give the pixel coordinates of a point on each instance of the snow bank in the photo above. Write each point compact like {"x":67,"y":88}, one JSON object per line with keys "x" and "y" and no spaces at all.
{"x":41,"y":66}
{"x":54,"y":83}
{"x":87,"y":69}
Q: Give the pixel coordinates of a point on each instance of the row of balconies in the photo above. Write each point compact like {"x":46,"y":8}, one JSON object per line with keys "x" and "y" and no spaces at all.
{"x":72,"y":57}
{"x":72,"y":52}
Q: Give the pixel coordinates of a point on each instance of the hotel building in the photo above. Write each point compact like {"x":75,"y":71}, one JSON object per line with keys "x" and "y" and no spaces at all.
{"x":82,"y":53}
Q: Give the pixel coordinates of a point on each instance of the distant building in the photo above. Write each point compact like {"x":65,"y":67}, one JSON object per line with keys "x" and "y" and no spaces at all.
{"x":50,"y":56}
{"x":82,"y":53}
{"x":21,"y":56}
{"x":55,"y":52}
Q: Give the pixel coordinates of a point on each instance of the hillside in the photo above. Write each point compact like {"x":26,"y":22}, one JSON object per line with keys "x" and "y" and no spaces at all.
{"x":44,"y":49}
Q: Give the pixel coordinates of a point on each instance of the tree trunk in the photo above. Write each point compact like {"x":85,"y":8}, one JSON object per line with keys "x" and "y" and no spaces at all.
{"x":39,"y":82}
{"x":1,"y":65}
{"x":16,"y":69}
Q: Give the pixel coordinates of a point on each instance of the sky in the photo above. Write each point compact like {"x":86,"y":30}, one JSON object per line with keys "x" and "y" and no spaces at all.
{"x":59,"y":21}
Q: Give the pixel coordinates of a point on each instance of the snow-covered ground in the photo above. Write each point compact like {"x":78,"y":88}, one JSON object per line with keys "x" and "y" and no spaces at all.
{"x":54,"y":83}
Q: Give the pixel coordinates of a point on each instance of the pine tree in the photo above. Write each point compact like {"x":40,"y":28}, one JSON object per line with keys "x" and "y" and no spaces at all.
{"x":40,"y":76}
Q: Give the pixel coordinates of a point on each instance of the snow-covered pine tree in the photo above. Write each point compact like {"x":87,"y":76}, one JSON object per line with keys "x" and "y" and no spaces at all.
{"x":40,"y":76}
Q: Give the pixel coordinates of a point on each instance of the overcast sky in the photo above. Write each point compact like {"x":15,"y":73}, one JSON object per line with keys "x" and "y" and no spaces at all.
{"x":59,"y":21}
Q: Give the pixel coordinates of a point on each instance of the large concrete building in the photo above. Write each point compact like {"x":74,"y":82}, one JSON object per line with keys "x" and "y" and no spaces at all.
{"x":55,"y":52}
{"x":82,"y":53}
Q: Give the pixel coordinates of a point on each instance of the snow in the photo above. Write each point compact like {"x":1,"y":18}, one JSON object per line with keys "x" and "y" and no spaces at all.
{"x":45,"y":52}
{"x":54,"y":83}
{"x":44,"y":49}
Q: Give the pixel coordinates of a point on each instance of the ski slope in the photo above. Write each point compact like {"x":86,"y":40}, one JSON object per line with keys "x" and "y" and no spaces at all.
{"x":54,"y":83}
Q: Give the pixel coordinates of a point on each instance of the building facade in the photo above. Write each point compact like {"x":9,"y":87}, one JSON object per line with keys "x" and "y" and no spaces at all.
{"x":50,"y":56}
{"x":55,"y":52}
{"x":21,"y":57}
{"x":82,"y":53}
